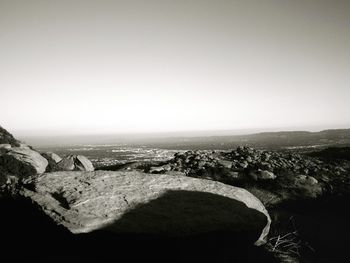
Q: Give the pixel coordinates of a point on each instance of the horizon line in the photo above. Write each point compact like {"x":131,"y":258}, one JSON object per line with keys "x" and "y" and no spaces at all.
{"x":184,"y":133}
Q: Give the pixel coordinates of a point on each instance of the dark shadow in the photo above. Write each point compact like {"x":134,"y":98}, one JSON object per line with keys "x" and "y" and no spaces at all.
{"x":323,"y":223}
{"x":187,"y":213}
{"x":179,"y":226}
{"x":27,"y":233}
{"x":184,"y":226}
{"x":141,"y":165}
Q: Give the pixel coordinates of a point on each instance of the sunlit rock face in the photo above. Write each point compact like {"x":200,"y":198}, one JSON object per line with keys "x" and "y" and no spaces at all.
{"x":132,"y":202}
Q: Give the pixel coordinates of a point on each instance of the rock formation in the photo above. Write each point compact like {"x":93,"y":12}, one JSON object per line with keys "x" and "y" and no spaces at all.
{"x":52,"y":156}
{"x":134,"y":202}
{"x":7,"y":138}
{"x":53,"y":160}
{"x":75,"y":163}
{"x":23,"y":162}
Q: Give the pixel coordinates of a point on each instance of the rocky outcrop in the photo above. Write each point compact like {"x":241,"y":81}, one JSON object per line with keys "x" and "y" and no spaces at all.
{"x":75,"y":163}
{"x":22,"y":162}
{"x":52,"y":156}
{"x":7,"y":138}
{"x":53,"y":160}
{"x":5,"y":146}
{"x":135,"y":202}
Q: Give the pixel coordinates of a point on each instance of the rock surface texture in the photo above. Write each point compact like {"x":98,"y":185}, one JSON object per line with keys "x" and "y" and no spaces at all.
{"x":135,"y":202}
{"x":23,"y":162}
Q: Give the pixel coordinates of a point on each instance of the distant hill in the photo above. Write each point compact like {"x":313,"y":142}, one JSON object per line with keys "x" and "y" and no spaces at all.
{"x":272,"y":140}
{"x":266,"y":140}
{"x":7,"y":138}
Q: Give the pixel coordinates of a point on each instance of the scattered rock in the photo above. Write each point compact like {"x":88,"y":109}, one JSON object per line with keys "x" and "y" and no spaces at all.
{"x":249,"y":168}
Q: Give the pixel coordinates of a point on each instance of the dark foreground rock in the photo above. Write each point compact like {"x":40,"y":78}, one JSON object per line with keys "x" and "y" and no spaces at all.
{"x":138,"y":203}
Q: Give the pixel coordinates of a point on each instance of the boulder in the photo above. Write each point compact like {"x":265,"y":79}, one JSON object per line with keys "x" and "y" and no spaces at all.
{"x":266,"y":175}
{"x":53,"y":160}
{"x":23,"y":162}
{"x":6,"y":146}
{"x":52,"y":156}
{"x":226,"y":164}
{"x":133,"y":202}
{"x":83,"y":164}
{"x":67,"y":163}
{"x":75,"y":163}
{"x":311,"y":180}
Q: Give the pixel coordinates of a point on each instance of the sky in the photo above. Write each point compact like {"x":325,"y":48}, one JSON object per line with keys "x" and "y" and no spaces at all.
{"x":93,"y":67}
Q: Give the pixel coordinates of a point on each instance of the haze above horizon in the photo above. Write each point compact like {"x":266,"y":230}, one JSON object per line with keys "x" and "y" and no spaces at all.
{"x":140,"y":67}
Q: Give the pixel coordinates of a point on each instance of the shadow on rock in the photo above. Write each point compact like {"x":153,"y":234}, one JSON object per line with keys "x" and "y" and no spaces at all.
{"x":183,"y":226}
{"x":179,"y":226}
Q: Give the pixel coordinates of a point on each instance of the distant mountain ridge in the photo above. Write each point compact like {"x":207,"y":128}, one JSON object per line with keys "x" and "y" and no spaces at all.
{"x":272,"y":140}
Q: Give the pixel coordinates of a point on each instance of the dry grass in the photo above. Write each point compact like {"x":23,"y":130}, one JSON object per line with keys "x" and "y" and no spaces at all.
{"x":288,"y":242}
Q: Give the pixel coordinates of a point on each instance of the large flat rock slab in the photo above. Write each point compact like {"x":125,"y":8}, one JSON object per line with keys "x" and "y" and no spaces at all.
{"x":135,"y":202}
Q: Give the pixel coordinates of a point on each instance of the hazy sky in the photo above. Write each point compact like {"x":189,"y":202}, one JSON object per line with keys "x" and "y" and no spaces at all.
{"x":155,"y":66}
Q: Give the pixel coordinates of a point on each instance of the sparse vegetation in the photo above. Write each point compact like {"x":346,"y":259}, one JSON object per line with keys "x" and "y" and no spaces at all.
{"x":286,"y":241}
